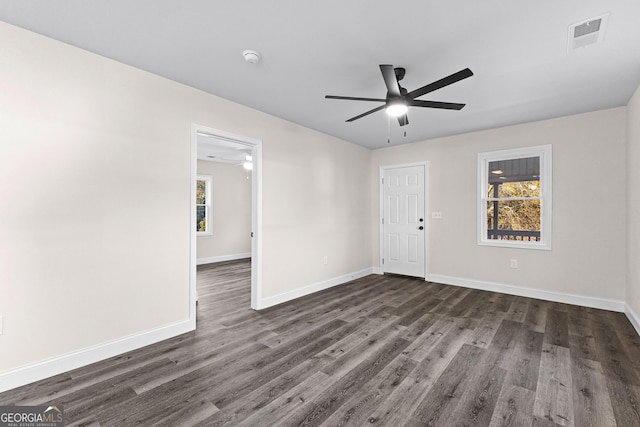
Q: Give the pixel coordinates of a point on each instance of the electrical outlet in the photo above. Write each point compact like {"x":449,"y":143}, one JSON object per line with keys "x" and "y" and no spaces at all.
{"x":436,"y":215}
{"x":514,"y":263}
{"x":325,"y":260}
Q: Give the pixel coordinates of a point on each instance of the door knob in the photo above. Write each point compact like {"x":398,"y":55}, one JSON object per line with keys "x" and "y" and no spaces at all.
{"x":421,"y":220}
{"x":421,"y":228}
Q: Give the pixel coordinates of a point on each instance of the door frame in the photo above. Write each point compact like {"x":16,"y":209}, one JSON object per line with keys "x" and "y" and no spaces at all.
{"x":256,"y":214}
{"x":426,"y":211}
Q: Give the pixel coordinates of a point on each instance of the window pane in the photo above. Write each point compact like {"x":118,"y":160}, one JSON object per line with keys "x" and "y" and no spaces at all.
{"x":515,"y":220}
{"x":515,"y":189}
{"x":512,"y":170}
{"x":201,"y":192}
{"x":201,"y":218}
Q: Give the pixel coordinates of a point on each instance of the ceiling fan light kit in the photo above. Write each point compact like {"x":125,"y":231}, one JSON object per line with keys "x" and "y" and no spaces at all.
{"x":398,"y":99}
{"x":396,"y":108}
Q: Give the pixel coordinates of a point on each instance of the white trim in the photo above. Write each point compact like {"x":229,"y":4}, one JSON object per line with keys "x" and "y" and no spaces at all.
{"x":56,"y":365}
{"x":256,"y":225}
{"x":256,"y":207}
{"x":310,"y":289}
{"x":221,"y":258}
{"x":425,"y":164}
{"x":633,"y":318}
{"x":601,"y":303}
{"x":193,"y":292}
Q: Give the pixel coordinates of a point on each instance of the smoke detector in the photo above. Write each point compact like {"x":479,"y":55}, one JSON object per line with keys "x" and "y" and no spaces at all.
{"x":587,"y":32}
{"x":251,"y":56}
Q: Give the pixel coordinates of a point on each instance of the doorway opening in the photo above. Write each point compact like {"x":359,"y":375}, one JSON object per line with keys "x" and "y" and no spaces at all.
{"x":235,"y":151}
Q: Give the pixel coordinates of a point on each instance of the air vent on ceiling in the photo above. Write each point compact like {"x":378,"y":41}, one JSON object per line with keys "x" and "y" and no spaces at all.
{"x":587,"y":32}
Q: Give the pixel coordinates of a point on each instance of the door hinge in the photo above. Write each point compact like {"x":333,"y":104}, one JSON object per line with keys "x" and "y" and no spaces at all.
{"x":252,"y":234}
{"x":383,"y":220}
{"x":382,"y":261}
{"x":382,"y":181}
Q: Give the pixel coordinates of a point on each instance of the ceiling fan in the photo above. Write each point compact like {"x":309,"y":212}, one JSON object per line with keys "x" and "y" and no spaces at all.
{"x":398,"y":100}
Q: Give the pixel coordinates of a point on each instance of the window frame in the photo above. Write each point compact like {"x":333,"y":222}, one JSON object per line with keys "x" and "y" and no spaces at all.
{"x":544,"y":153}
{"x":207,"y":206}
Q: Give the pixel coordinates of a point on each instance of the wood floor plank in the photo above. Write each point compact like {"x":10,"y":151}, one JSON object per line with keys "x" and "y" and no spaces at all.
{"x":581,"y":341}
{"x":556,"y":328}
{"x":536,"y":318}
{"x":380,"y":350}
{"x":525,"y":367}
{"x":591,"y":402}
{"x":554,"y":393}
{"x":514,"y":407}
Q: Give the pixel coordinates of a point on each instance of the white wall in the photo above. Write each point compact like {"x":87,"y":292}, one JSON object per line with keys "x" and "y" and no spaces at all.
{"x":589,"y":191}
{"x":316,"y":203}
{"x":230,"y":212}
{"x":95,"y":186}
{"x":633,"y":203}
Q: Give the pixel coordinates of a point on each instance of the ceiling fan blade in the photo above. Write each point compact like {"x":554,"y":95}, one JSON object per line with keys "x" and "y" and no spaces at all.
{"x":435,"y":104}
{"x":446,"y":81}
{"x":390,"y":80}
{"x":352,"y":98}
{"x":403,"y":120}
{"x":366,"y":114}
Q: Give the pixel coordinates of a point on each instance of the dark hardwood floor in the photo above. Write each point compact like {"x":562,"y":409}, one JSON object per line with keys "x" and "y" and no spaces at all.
{"x":382,"y":350}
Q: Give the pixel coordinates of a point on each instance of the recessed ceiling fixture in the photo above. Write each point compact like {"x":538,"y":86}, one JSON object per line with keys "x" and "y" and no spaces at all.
{"x":399,"y":100}
{"x":251,"y":56}
{"x":585,"y":33}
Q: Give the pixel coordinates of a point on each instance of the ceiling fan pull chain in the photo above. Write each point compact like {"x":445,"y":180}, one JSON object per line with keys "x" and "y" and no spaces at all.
{"x":388,"y":129}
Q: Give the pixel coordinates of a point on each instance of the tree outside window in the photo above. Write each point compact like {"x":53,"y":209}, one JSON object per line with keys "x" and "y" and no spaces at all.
{"x":203,"y":205}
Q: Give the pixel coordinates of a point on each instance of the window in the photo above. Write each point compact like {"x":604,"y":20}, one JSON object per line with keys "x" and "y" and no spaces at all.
{"x":514,"y":198}
{"x":203,"y":205}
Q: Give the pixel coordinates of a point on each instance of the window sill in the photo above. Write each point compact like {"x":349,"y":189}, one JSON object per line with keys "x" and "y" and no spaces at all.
{"x":516,"y":244}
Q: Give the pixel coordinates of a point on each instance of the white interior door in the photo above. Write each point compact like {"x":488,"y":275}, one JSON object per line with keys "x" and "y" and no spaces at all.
{"x":403,"y":221}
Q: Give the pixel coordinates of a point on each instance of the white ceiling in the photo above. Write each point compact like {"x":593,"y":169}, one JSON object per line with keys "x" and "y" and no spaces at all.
{"x":215,"y":149}
{"x":516,"y":49}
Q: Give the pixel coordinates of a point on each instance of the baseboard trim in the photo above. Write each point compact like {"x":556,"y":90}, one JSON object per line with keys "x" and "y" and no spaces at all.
{"x":310,"y":289}
{"x":601,"y":303}
{"x":221,"y":258}
{"x":77,"y":359}
{"x":633,"y":318}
